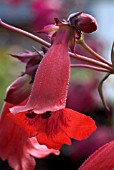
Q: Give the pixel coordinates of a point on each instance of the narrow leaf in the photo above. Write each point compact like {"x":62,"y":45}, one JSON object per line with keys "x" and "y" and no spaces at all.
{"x":100,"y":90}
{"x":112,"y":55}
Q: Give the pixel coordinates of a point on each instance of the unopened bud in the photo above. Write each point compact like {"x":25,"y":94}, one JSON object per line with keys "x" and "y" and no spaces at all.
{"x":83,"y":22}
{"x":19,"y":90}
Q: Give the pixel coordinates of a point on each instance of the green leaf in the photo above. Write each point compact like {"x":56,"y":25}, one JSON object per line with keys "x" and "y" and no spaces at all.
{"x":100,"y":90}
{"x":112,"y":55}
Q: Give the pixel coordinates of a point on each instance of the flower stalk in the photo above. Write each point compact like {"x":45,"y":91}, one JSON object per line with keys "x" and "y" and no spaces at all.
{"x":25,"y":33}
{"x":90,"y":67}
{"x":91,"y":61}
{"x":84,"y":45}
{"x":105,"y":65}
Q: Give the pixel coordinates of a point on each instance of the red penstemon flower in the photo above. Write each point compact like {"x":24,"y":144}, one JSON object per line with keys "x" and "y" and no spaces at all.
{"x":102,"y":159}
{"x":16,"y":147}
{"x":45,"y":115}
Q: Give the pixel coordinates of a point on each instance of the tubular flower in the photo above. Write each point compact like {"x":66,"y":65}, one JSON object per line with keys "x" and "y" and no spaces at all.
{"x":16,"y":147}
{"x":102,"y":159}
{"x":45,"y":115}
{"x":50,"y":85}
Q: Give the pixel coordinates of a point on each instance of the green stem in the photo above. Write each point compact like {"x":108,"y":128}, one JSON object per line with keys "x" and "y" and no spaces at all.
{"x":83,"y":44}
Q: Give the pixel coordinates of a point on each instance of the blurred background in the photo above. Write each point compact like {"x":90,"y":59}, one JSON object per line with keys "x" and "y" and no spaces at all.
{"x":32,"y":15}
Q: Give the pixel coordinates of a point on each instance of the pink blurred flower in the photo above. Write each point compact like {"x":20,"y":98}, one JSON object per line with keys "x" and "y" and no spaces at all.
{"x":44,"y":12}
{"x":13,"y":2}
{"x":83,"y":149}
{"x":81,"y":96}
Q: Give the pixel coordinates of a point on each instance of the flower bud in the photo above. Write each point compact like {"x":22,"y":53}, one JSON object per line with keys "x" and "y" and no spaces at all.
{"x":19,"y":90}
{"x":83,"y":22}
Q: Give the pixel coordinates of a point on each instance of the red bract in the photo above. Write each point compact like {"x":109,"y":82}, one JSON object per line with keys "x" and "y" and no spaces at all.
{"x":29,"y":56}
{"x":80,"y":96}
{"x":49,"y":30}
{"x":102,"y":159}
{"x":31,"y":61}
{"x":51,"y":81}
{"x":16,"y":147}
{"x":56,"y":128}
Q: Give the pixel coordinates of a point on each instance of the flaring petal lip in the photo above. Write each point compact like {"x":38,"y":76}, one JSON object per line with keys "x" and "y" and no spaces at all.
{"x":58,"y":128}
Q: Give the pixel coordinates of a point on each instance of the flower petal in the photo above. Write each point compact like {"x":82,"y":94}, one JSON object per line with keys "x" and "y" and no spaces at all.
{"x":47,"y":130}
{"x":58,"y":128}
{"x":13,"y":143}
{"x":79,"y":126}
{"x":26,"y":162}
{"x":56,"y":141}
{"x":102,"y":159}
{"x":28,"y":125}
{"x":39,"y":151}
